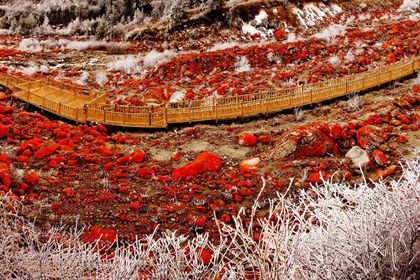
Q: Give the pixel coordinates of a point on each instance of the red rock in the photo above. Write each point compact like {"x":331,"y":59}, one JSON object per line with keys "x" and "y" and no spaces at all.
{"x":145,"y":172}
{"x":371,"y":136}
{"x":5,"y":109}
{"x":378,"y":174}
{"x":4,"y":177}
{"x":280,"y":34}
{"x":395,"y":122}
{"x":104,"y":151}
{"x":137,"y":157}
{"x":69,"y":192}
{"x":315,"y":178}
{"x":249,"y":165}
{"x":205,"y":257}
{"x":5,"y":159}
{"x":379,"y":157}
{"x":31,"y":177}
{"x":4,"y":131}
{"x":123,"y":160}
{"x":176,"y":156}
{"x":247,"y":139}
{"x":22,"y":159}
{"x":135,"y":205}
{"x":97,"y":233}
{"x":402,"y":139}
{"x":200,"y":221}
{"x":45,"y":152}
{"x":108,"y":166}
{"x":204,"y":162}
{"x":264,"y":139}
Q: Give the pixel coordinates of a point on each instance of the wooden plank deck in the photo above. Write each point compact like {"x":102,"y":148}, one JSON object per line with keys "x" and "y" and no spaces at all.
{"x":78,"y":104}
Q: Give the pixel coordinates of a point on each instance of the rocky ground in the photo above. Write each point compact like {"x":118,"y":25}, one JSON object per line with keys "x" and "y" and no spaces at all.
{"x":128,"y":182}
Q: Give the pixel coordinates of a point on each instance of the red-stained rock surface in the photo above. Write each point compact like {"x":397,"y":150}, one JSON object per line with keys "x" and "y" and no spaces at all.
{"x":247,"y":139}
{"x":204,"y":162}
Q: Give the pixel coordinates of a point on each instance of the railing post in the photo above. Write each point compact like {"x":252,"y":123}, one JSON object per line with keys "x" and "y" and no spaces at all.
{"x":150,"y":115}
{"x":43,"y":101}
{"x":59,"y":108}
{"x":104,"y":115}
{"x":189,"y":111}
{"x":217,"y":111}
{"x":77,"y":114}
{"x":242,"y":106}
{"x":165,"y":112}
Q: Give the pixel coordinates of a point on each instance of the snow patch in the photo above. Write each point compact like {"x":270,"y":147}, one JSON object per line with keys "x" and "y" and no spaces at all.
{"x":83,"y":78}
{"x":311,"y":14}
{"x":330,"y":32}
{"x":409,"y":6}
{"x":101,"y":78}
{"x":129,"y":64}
{"x":242,"y":65}
{"x":334,"y":60}
{"x":154,"y":57}
{"x":261,"y":17}
{"x":177,"y":96}
{"x":225,"y":45}
{"x":251,"y":30}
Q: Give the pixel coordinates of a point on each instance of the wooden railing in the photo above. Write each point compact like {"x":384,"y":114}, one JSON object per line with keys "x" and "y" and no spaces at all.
{"x":262,"y":102}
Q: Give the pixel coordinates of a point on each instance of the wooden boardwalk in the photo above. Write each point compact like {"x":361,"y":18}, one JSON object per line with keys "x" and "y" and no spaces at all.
{"x":81,"y":105}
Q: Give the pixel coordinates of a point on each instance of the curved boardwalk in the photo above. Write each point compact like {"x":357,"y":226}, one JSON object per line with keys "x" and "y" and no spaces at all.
{"x":81,"y":105}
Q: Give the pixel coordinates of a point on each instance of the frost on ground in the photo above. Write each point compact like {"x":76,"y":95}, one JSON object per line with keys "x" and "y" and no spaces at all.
{"x":242,"y":65}
{"x":331,"y":231}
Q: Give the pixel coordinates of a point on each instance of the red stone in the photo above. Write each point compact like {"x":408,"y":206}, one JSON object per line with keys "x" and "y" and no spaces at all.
{"x":204,"y":162}
{"x":5,"y":109}
{"x":123,"y":160}
{"x":137,"y":157}
{"x":370,"y":135}
{"x":279,"y":34}
{"x":205,"y":257}
{"x":402,"y":139}
{"x":315,"y":178}
{"x":145,"y":172}
{"x":379,"y":157}
{"x":97,"y":233}
{"x":247,"y":139}
{"x":31,"y":177}
{"x":176,"y":156}
{"x":4,"y":131}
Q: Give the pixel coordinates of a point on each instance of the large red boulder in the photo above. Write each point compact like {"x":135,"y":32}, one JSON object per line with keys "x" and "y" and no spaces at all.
{"x":370,"y":136}
{"x":204,"y":162}
{"x":304,"y":142}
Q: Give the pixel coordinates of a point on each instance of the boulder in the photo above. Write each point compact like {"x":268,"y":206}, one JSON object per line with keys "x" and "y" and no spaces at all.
{"x":204,"y":162}
{"x":379,"y":157}
{"x":358,"y":156}
{"x":247,"y":139}
{"x":249,"y":165}
{"x":304,"y":142}
{"x":370,"y":136}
